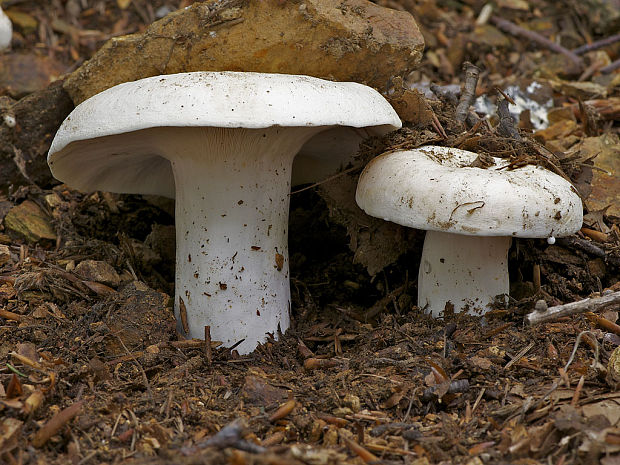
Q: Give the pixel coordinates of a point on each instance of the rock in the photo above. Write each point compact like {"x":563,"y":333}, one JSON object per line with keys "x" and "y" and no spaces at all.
{"x":24,"y":145}
{"x":351,"y":40}
{"x":98,"y":271}
{"x":28,"y":221}
{"x":22,"y":74}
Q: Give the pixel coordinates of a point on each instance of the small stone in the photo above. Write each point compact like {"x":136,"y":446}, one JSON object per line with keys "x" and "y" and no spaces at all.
{"x":353,"y":41}
{"x":153,"y":349}
{"x":28,"y":221}
{"x":98,"y":271}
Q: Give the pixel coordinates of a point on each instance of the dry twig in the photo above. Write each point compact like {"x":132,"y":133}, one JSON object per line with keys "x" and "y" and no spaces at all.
{"x":596,"y":45}
{"x":516,"y":30}
{"x":586,"y":305}
{"x":468,"y":94}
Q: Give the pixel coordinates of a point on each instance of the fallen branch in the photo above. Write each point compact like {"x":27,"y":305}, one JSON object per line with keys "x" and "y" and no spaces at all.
{"x":544,"y":315}
{"x":472,"y":72}
{"x":590,"y":248}
{"x":596,"y":45}
{"x":506,"y":126}
{"x":614,"y":65}
{"x":516,"y":30}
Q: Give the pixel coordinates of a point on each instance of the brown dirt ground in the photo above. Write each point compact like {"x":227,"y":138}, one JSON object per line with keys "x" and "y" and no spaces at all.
{"x":93,"y":372}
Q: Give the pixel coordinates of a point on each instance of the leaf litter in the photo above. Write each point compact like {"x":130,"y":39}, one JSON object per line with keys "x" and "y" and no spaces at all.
{"x":93,"y":371}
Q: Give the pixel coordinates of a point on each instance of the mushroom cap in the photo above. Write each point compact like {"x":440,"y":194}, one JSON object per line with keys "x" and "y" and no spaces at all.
{"x":433,"y":188}
{"x":6,"y":30}
{"x":104,"y":143}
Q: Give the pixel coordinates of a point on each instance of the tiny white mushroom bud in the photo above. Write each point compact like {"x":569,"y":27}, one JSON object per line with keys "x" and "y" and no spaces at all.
{"x":551,"y":240}
{"x":10,"y":121}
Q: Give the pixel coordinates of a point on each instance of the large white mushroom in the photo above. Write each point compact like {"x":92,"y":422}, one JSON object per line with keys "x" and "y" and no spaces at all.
{"x":470,"y":215}
{"x":6,"y":30}
{"x":229,"y":139}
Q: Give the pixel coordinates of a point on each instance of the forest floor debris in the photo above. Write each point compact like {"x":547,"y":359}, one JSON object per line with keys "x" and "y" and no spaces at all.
{"x":92,"y":369}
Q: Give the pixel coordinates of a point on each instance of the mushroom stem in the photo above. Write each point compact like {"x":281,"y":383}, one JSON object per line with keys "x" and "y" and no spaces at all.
{"x":232,"y":202}
{"x":467,"y":271}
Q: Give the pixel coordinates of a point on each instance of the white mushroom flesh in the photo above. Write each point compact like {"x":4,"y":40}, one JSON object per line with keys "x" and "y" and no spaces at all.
{"x":468,"y":272}
{"x":6,"y":30}
{"x":232,"y":256}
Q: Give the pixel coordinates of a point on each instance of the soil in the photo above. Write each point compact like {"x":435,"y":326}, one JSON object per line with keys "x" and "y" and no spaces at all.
{"x":93,"y":371}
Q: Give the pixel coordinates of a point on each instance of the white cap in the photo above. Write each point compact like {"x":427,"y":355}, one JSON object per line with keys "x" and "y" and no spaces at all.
{"x":433,"y":188}
{"x":96,"y":147}
{"x":6,"y":30}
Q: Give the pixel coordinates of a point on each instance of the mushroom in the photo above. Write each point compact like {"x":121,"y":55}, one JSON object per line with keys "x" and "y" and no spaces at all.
{"x":6,"y":30}
{"x":470,"y":215}
{"x":229,"y":140}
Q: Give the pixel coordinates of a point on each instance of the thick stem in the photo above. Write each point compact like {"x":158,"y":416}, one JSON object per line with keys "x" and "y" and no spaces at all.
{"x":232,"y":203}
{"x":467,"y":271}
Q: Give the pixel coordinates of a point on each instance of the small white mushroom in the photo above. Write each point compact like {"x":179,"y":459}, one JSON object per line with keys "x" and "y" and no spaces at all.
{"x":470,"y":215}
{"x":6,"y":30}
{"x":229,"y":140}
{"x":9,"y":120}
